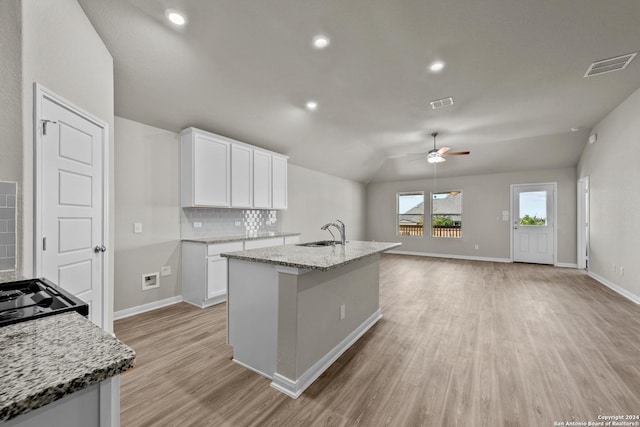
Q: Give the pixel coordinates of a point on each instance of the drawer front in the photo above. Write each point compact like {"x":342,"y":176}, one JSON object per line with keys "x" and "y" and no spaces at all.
{"x":289,"y":240}
{"x":263,"y":243}
{"x":220,"y":248}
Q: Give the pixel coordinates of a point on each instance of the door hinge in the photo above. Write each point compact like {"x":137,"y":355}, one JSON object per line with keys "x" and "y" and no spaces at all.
{"x":44,"y":243}
{"x":44,"y":125}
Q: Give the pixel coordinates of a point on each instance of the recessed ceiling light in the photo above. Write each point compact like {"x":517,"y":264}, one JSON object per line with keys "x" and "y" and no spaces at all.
{"x":311,"y":105}
{"x":176,"y":17}
{"x":436,"y":66}
{"x":575,"y":129}
{"x":321,"y":41}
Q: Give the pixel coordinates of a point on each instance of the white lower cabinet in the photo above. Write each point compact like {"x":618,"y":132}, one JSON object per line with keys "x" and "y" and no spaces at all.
{"x":263,"y":243}
{"x":204,"y":271}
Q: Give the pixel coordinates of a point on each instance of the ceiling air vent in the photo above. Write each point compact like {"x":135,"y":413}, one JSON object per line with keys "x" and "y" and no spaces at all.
{"x":609,"y":65}
{"x":441,"y":103}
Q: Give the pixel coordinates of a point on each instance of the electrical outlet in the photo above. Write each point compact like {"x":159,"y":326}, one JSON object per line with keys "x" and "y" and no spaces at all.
{"x":621,"y":271}
{"x":165,"y":271}
{"x":343,"y":312}
{"x":137,"y":227}
{"x":477,"y":246}
{"x":197,"y":224}
{"x":237,"y":223}
{"x":614,"y":268}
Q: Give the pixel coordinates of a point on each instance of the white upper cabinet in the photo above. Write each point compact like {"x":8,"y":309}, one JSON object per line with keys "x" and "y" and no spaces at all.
{"x":261,"y":180}
{"x":206,"y":169}
{"x":241,"y":176}
{"x":279,"y":182}
{"x":221,"y":172}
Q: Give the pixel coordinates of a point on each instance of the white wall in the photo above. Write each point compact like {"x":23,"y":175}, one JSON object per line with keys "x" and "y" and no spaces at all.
{"x":61,"y":51}
{"x":484,"y":199}
{"x":612,"y":165}
{"x":316,"y":198}
{"x":147,"y":187}
{"x":11,"y":102}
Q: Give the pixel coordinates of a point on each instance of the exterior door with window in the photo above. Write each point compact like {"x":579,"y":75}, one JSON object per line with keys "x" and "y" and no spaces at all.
{"x":533,"y":207}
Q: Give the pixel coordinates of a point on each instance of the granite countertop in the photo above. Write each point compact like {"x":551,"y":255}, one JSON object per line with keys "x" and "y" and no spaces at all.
{"x":238,"y":237}
{"x":315,"y":258}
{"x":46,"y":359}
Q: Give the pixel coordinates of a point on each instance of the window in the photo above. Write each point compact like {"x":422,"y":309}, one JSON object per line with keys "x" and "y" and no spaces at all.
{"x":446,"y":214}
{"x":533,"y":208}
{"x":411,"y":214}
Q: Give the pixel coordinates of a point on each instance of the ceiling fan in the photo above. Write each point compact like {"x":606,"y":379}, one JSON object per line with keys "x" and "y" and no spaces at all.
{"x":437,"y":155}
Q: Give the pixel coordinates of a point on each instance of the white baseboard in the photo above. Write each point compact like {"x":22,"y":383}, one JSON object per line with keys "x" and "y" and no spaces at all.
{"x":294,"y":388}
{"x":146,"y":307}
{"x":466,"y":257}
{"x":208,"y":303}
{"x":565,"y":265}
{"x":625,"y":293}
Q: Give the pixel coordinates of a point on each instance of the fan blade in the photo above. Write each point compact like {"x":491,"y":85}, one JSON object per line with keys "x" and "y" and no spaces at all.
{"x":443,"y":150}
{"x":457,"y":153}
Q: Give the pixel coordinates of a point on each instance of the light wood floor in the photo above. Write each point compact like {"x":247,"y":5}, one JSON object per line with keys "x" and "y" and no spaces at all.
{"x":462,"y":343}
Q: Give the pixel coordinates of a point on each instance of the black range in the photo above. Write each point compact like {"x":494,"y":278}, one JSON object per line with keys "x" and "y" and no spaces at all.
{"x":30,"y":299}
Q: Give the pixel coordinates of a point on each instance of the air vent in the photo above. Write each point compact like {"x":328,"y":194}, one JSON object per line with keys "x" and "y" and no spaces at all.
{"x":609,"y":65}
{"x":441,"y":103}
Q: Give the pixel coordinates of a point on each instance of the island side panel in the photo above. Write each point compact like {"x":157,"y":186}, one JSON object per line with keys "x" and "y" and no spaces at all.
{"x":320,"y":295}
{"x":253,"y":315}
{"x":287,"y":324}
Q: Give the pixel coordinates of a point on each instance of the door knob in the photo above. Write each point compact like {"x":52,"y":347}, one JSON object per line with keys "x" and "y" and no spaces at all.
{"x":99,"y":249}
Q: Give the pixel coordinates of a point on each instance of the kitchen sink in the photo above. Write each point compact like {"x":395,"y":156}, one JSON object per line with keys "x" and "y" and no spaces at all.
{"x":319,"y":244}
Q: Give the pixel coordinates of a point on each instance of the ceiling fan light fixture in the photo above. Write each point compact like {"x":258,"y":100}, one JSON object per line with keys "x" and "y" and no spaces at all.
{"x":435,"y":158}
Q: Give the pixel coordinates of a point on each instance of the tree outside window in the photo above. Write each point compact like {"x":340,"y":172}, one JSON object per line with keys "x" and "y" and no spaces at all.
{"x":446,"y":214}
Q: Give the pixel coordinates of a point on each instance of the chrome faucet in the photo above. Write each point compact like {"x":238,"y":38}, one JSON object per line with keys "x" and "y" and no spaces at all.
{"x":326,"y":227}
{"x":343,"y":232}
{"x":340,"y":228}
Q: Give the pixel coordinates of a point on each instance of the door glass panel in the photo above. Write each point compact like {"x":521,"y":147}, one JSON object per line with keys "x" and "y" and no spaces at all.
{"x":533,"y":208}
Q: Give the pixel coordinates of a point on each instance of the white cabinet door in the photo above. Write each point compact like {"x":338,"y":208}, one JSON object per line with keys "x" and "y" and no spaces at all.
{"x":216,"y":276}
{"x":261,"y":180}
{"x":279,"y":175}
{"x":241,"y":176}
{"x":211,"y":162}
{"x":205,"y":169}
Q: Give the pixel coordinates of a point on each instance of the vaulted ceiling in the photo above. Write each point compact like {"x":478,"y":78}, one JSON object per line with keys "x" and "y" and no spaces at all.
{"x":246,"y":68}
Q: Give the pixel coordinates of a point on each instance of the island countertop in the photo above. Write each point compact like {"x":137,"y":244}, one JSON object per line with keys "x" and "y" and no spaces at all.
{"x":45,"y":359}
{"x":238,"y":237}
{"x":313,"y":258}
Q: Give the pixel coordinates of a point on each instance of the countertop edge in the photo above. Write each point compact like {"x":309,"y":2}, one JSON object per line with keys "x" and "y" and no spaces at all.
{"x":239,"y":256}
{"x":238,"y":238}
{"x":51,"y":394}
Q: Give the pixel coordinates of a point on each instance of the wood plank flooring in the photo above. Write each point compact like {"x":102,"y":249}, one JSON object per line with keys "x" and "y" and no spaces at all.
{"x":461,"y":343}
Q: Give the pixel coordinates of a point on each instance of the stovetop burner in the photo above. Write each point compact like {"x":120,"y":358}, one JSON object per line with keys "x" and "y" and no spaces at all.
{"x":30,"y":299}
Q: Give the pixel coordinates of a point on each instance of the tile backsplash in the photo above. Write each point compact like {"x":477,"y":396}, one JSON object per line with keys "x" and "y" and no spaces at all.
{"x":227,"y":222}
{"x":7,"y":226}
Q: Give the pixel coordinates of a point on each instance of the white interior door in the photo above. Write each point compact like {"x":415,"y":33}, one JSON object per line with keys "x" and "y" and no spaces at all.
{"x":533,"y":207}
{"x":71,"y":202}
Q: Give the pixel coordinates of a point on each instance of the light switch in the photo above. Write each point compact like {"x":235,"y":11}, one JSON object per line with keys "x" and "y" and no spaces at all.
{"x":137,"y":227}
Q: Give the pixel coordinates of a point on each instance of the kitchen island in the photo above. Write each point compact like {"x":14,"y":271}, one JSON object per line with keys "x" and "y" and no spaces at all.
{"x":293,"y":310}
